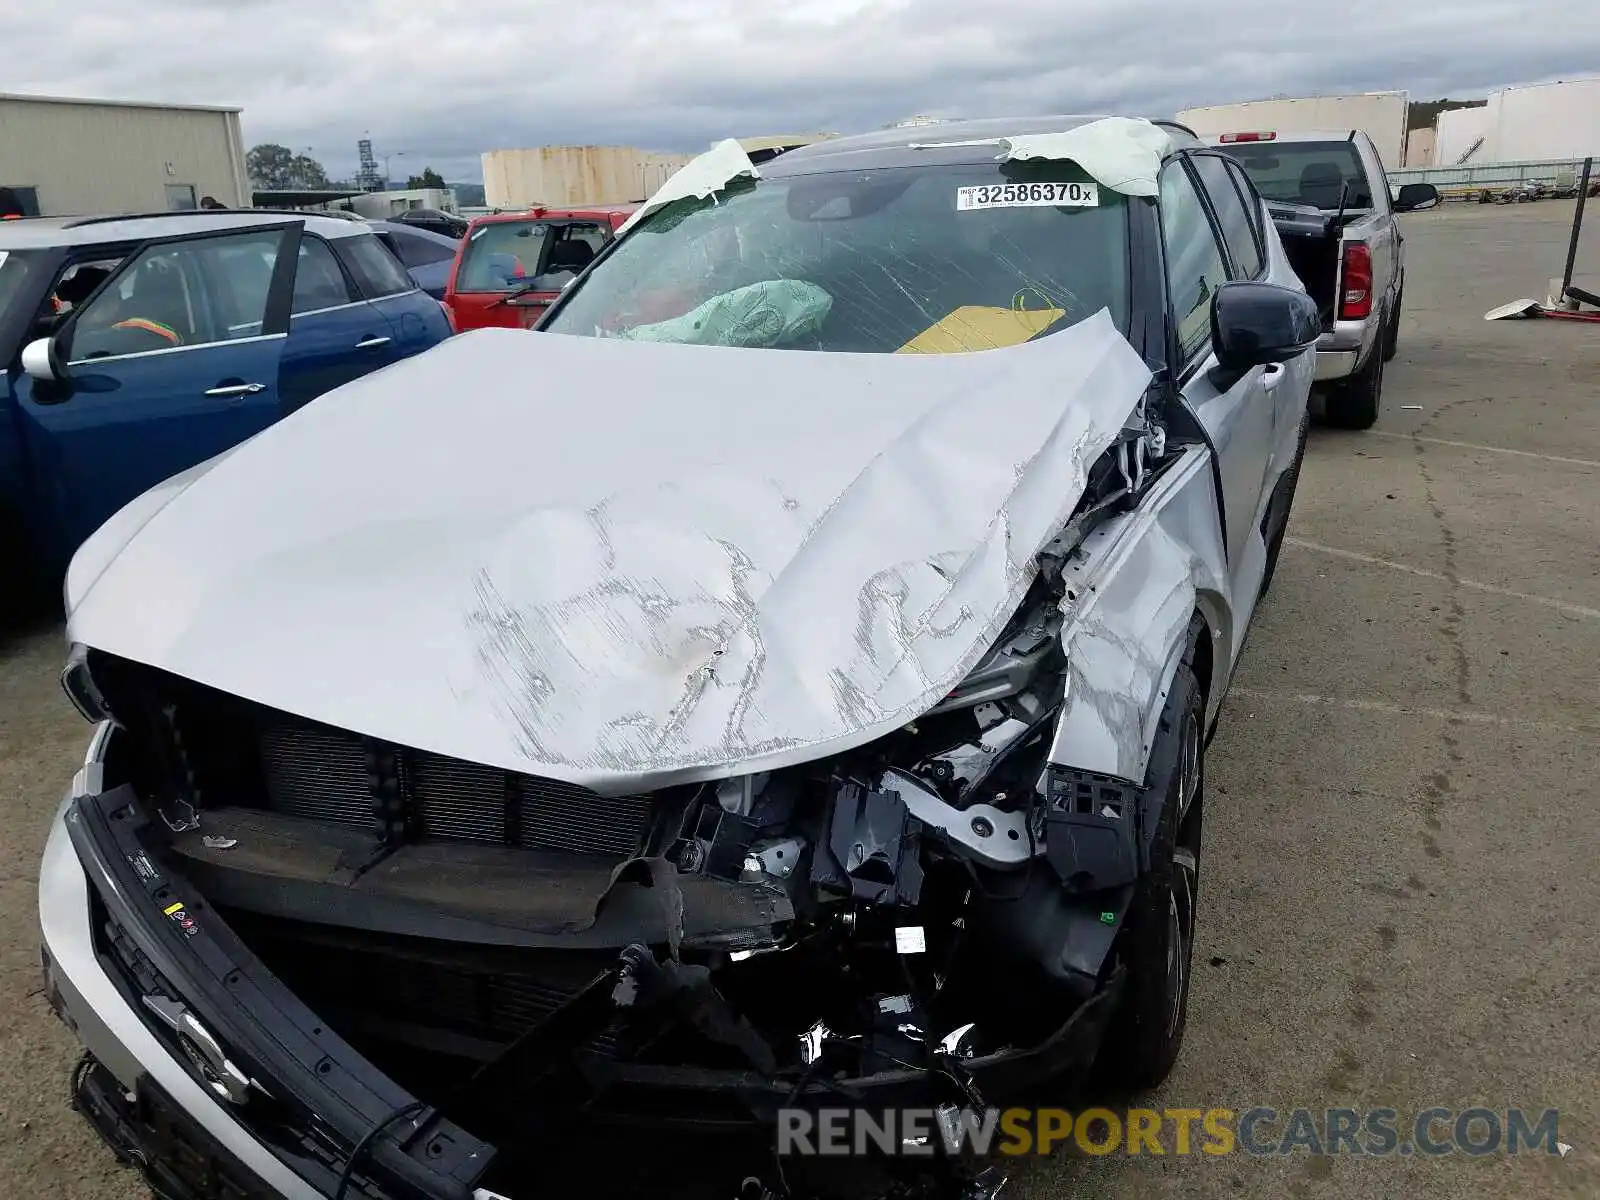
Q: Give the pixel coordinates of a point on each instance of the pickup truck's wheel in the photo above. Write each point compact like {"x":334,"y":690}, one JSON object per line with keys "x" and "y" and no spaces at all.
{"x":1391,"y":332}
{"x":1156,"y":944}
{"x":1353,"y":403}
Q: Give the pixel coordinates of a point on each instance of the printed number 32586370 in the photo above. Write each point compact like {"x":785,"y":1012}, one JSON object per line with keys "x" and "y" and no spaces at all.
{"x":1027,"y":195}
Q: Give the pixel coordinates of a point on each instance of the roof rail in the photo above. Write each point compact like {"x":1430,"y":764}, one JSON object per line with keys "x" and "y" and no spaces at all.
{"x":106,"y":218}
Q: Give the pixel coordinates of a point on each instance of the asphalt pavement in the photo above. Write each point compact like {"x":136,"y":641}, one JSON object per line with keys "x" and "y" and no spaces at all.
{"x":1399,"y":883}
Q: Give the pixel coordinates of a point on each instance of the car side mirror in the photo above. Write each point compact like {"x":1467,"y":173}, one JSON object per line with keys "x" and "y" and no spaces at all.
{"x":41,"y":359}
{"x":1414,"y":197}
{"x":1254,"y":324}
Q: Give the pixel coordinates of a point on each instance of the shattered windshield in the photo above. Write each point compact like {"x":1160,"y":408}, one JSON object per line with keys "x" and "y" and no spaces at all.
{"x":931,"y":259}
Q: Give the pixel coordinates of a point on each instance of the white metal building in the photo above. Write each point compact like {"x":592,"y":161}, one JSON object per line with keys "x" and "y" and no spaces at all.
{"x":1460,"y":135}
{"x":1544,"y":121}
{"x":1382,"y":116}
{"x":64,"y":156}
{"x":566,"y":176}
{"x":381,"y":205}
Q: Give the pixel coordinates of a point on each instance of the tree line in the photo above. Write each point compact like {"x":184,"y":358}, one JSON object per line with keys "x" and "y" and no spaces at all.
{"x":275,"y":168}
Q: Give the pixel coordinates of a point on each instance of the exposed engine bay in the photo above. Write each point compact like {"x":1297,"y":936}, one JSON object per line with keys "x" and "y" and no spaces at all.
{"x":930,"y":915}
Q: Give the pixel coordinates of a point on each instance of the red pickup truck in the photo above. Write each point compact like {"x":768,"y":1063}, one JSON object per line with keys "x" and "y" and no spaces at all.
{"x":512,"y":265}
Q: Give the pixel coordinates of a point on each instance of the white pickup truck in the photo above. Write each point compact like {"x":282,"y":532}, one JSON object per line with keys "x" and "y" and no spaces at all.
{"x":1329,"y":197}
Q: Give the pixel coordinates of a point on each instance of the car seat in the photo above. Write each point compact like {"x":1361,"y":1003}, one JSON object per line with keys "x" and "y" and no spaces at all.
{"x":570,"y":254}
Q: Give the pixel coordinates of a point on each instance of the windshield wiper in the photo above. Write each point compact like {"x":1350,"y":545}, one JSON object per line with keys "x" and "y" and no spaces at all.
{"x":531,"y":286}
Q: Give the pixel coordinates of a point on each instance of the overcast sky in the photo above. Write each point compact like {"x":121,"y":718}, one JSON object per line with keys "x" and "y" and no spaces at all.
{"x":438,"y":82}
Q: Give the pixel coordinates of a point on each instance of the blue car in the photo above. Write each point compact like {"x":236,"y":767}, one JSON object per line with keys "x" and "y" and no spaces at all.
{"x":426,"y":254}
{"x":134,"y":348}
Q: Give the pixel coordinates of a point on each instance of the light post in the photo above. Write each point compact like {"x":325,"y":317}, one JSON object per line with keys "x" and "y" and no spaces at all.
{"x":387,"y":178}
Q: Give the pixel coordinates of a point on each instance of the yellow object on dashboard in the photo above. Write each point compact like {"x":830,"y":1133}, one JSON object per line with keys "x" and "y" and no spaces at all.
{"x":974,"y":327}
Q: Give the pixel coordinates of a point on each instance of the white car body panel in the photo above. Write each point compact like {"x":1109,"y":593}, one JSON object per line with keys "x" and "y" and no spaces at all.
{"x":788,"y":555}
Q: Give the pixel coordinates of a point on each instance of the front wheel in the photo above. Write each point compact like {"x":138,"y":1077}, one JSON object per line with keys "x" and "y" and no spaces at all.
{"x":1156,"y":945}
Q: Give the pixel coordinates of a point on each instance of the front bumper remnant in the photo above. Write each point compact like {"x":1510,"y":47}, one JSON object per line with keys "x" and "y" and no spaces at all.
{"x":192,"y":1139}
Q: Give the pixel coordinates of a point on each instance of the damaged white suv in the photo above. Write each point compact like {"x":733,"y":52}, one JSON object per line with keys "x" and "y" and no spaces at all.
{"x":649,"y":717}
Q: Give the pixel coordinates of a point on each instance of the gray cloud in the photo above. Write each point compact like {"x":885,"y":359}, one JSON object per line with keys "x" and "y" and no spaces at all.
{"x":438,"y":84}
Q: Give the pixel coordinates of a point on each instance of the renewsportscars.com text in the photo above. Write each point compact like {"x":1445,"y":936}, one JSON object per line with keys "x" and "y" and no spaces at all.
{"x":1378,"y":1132}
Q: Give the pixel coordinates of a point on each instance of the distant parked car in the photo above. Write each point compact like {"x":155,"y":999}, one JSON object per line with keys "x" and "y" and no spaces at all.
{"x":134,"y":348}
{"x":426,"y":255}
{"x":511,"y":265}
{"x":433,"y":220}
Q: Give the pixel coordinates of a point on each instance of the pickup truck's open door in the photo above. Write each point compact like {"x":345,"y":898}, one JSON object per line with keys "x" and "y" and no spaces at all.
{"x":171,"y":360}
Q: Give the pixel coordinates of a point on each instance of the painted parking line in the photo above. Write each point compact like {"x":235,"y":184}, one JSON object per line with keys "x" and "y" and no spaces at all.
{"x":1561,"y":606}
{"x":1433,"y":441}
{"x":1463,"y":716}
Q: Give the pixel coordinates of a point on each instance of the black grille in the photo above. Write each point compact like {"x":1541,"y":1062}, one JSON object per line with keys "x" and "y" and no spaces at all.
{"x":329,"y":775}
{"x":386,"y":981}
{"x":317,"y":773}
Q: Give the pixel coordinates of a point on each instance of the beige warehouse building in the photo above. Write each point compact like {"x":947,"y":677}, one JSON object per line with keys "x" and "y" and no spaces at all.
{"x":65,"y":156}
{"x":565,"y":176}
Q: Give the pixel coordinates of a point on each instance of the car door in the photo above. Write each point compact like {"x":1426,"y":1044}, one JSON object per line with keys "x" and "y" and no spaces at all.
{"x":335,"y":334}
{"x":171,"y":360}
{"x":1236,"y":411}
{"x":417,"y":321}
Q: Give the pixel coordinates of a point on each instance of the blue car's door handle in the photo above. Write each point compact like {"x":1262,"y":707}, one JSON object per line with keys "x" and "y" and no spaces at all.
{"x":236,"y":389}
{"x":372,"y":343}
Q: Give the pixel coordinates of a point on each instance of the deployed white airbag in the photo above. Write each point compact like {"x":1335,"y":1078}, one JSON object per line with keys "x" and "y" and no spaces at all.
{"x":702,"y":176}
{"x":1122,"y":153}
{"x":774,"y":312}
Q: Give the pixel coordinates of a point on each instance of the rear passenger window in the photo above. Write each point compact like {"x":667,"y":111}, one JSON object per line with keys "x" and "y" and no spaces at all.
{"x":1238,"y":221}
{"x":1194,"y":259}
{"x":318,"y":281}
{"x":377,"y":270}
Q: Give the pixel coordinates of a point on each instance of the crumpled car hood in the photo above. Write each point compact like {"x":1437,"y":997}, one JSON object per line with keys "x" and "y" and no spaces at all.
{"x":620,"y":564}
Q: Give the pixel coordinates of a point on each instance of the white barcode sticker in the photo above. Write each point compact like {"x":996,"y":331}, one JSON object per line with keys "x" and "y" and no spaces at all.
{"x":1027,"y":195}
{"x":909,"y":939}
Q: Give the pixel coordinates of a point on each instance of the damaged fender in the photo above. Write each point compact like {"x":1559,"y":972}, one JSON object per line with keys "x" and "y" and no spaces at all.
{"x":1130,"y":594}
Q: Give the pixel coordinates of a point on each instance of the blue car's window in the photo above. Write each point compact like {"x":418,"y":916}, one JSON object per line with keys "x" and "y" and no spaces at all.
{"x":13,"y":273}
{"x":376,"y":269}
{"x":181,"y":294}
{"x":318,"y":281}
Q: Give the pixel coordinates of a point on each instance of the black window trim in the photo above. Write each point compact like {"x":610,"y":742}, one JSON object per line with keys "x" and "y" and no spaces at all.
{"x":1188,"y":364}
{"x":1254,"y":207}
{"x":1216,"y":222}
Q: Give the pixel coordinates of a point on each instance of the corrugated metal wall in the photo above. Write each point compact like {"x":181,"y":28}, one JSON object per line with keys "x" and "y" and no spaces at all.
{"x":564,"y":176}
{"x":100,"y":158}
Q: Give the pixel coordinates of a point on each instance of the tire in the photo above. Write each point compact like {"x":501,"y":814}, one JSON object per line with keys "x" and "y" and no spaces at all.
{"x":1278,"y":517}
{"x":1156,"y":943}
{"x":1391,"y":339}
{"x":1353,"y":403}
